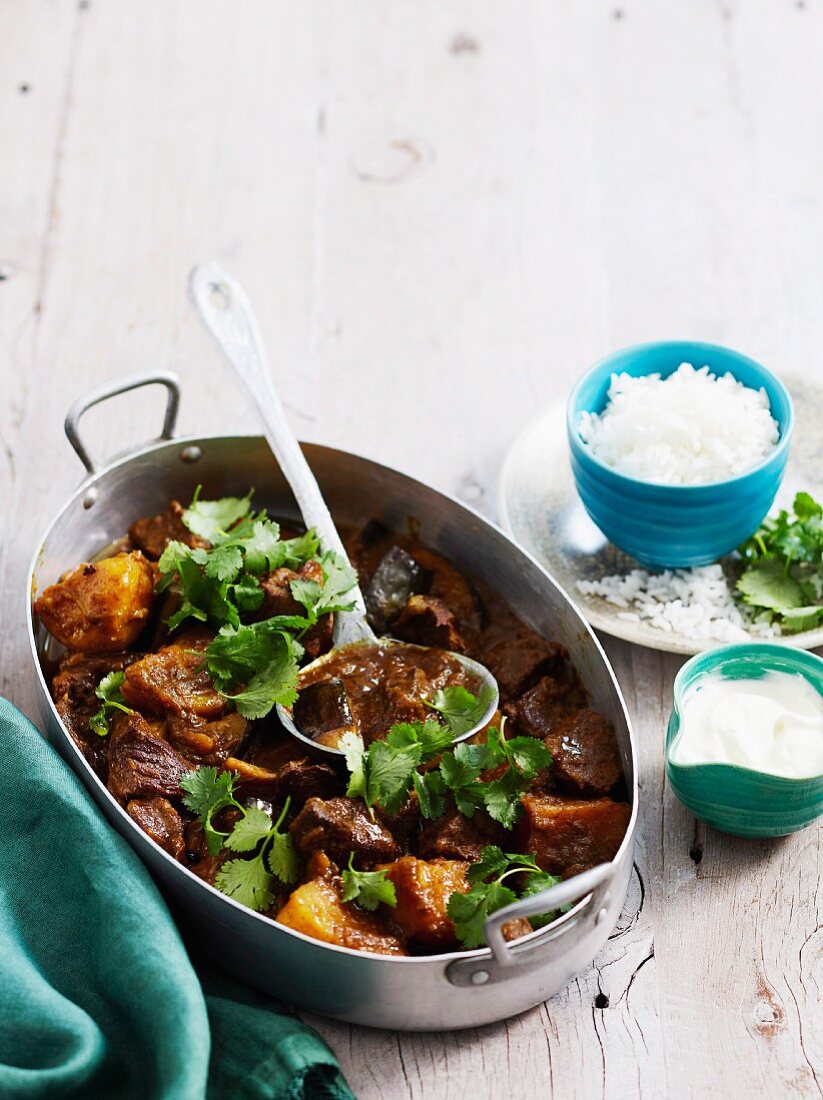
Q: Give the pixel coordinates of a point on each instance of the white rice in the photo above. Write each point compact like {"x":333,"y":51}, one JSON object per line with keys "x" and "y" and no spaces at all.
{"x":688,"y":429}
{"x":696,"y":603}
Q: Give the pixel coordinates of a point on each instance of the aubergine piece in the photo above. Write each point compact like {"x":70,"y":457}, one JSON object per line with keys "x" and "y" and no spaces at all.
{"x":322,"y":711}
{"x":396,"y":579}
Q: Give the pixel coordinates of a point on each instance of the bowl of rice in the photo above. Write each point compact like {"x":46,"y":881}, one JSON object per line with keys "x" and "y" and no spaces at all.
{"x":678,"y":449}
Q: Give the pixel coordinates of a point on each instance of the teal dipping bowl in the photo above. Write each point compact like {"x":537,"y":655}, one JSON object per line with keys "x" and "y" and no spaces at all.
{"x":731,"y":798}
{"x":676,"y":525}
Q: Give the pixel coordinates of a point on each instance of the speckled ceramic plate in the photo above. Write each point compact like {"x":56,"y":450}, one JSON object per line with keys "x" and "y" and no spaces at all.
{"x":539,"y":506}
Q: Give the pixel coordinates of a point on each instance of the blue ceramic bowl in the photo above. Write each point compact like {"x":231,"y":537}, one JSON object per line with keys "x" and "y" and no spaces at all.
{"x":676,"y":525}
{"x":739,"y":800}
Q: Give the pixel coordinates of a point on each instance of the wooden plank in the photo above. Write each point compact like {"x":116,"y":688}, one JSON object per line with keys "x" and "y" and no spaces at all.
{"x":443,"y":213}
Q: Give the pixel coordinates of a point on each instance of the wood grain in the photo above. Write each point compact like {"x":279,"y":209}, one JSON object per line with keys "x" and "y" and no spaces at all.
{"x":443,"y":212}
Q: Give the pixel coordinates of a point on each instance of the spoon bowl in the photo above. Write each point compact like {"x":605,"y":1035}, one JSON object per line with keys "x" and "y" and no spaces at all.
{"x":485,"y":680}
{"x":226,"y":312}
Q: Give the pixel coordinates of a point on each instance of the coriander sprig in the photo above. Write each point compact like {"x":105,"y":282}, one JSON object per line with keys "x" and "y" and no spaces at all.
{"x":368,"y":888}
{"x":783,"y":581}
{"x":254,"y":665}
{"x":252,"y":882}
{"x":386,"y":772}
{"x":109,"y":690}
{"x":469,"y":911}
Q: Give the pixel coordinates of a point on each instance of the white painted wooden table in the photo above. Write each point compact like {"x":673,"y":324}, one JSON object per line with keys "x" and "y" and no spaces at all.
{"x":444,"y":211}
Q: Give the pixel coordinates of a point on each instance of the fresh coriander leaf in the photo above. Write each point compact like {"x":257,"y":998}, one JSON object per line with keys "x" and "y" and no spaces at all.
{"x":431,"y":736}
{"x":318,"y":600}
{"x":536,"y":884}
{"x":206,"y":793}
{"x":172,"y":555}
{"x":111,"y":696}
{"x":211,"y":519}
{"x":431,"y":793}
{"x":247,"y":593}
{"x":308,"y":594}
{"x":275,"y":683}
{"x":766,"y":584}
{"x":301,"y":549}
{"x":340,"y":579}
{"x":224,"y":562}
{"x":264,"y":661}
{"x":501,"y":797}
{"x":390,"y":774}
{"x":255,"y":825}
{"x":528,"y":755}
{"x":805,"y":506}
{"x":282,"y":858}
{"x":368,"y":888}
{"x":205,"y":788}
{"x":263,"y":549}
{"x":354,"y":753}
{"x":457,"y":770}
{"x":247,"y":881}
{"x":796,"y":619}
{"x":468,"y":912}
{"x":460,"y":708}
{"x":493,"y":861}
{"x":237,"y":652}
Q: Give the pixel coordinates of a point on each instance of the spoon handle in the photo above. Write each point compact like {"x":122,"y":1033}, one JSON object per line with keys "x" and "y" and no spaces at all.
{"x":226,"y":312}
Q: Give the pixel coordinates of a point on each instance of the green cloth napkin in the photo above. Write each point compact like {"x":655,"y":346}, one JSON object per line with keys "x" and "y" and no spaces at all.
{"x":98,"y":997}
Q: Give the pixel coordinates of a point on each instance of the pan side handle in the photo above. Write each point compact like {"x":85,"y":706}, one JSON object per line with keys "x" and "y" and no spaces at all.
{"x":113,"y":389}
{"x":508,"y":960}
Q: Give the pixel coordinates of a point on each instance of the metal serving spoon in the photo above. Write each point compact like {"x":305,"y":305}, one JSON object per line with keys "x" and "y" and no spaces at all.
{"x":226,"y":312}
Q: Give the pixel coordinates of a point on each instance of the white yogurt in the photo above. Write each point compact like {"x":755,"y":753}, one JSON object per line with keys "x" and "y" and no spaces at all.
{"x":773,"y":724}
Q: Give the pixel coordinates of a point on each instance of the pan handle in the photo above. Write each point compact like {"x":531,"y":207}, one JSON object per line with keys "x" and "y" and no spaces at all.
{"x":112,"y":389}
{"x":595,"y":882}
{"x":508,"y":959}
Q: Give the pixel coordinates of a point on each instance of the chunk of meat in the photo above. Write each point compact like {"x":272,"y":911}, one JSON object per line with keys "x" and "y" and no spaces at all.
{"x":73,"y":689}
{"x":174,"y":680}
{"x":551,"y":699}
{"x":100,"y":607}
{"x":153,"y":533}
{"x":207,"y":742}
{"x":450,"y":586}
{"x":570,"y":836}
{"x":159,"y":819}
{"x":277,"y":597}
{"x":197,"y":856}
{"x":404,"y":825}
{"x":298,"y":779}
{"x":141,"y":763}
{"x":517,"y":663}
{"x":317,"y":909}
{"x":427,"y":620}
{"x":319,"y":638}
{"x":585,"y":756}
{"x":339,"y":827}
{"x":423,"y":889}
{"x":454,"y":836}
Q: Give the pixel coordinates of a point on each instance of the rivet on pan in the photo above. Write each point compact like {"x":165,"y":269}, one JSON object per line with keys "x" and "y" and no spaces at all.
{"x":191,"y":454}
{"x":601,"y":916}
{"x":480,"y":977}
{"x":90,"y":498}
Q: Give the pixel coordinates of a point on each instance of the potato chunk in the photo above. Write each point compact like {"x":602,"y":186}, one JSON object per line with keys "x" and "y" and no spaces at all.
{"x":316,"y":909}
{"x":100,"y":607}
{"x":570,"y":836}
{"x":423,"y":889}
